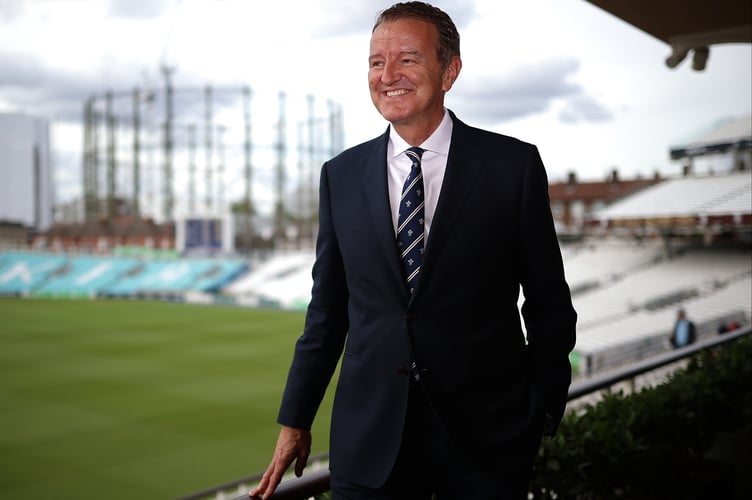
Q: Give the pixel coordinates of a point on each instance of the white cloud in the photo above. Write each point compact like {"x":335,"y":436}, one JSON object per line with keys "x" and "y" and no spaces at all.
{"x":590,"y":90}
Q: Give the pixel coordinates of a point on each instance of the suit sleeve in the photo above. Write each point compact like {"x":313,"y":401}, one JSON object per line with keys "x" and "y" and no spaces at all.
{"x":549,"y":316}
{"x":318,"y":349}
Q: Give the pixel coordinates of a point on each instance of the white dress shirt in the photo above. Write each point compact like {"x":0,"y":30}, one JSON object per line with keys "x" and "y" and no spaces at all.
{"x":433,"y":165}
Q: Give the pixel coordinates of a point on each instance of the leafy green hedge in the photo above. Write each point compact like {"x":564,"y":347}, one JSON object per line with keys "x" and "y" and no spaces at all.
{"x":650,"y":444}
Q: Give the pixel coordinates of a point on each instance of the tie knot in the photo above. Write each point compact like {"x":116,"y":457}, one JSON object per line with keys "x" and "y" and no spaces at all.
{"x":415,"y":154}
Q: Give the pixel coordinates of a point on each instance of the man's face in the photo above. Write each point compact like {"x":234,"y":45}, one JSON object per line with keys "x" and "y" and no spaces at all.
{"x":405,"y":76}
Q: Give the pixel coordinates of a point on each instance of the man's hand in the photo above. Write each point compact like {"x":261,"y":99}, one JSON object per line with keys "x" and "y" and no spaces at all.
{"x":292,"y":445}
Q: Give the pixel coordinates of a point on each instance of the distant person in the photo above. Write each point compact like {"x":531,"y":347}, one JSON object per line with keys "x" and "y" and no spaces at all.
{"x":726,"y":327}
{"x":684,"y":332}
{"x":426,"y":234}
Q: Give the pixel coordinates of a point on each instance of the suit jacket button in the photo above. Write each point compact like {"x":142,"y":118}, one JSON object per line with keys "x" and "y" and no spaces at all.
{"x":411,"y":315}
{"x":402,"y":371}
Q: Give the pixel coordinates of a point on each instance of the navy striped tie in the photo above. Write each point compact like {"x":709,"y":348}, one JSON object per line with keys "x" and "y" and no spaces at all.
{"x":410,"y":230}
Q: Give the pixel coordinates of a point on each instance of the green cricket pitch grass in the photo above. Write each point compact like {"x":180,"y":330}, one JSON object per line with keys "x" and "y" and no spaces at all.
{"x":139,"y":400}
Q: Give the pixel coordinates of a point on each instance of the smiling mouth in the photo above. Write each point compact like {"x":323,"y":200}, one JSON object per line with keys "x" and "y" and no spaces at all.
{"x":395,"y":93}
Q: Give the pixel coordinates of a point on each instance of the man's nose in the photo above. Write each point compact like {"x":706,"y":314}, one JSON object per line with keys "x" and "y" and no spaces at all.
{"x":390,"y":74}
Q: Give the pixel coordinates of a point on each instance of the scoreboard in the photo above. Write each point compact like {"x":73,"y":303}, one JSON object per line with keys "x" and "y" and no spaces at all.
{"x":204,"y":235}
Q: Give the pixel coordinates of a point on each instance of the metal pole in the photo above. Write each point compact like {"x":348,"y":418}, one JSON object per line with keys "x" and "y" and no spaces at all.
{"x":299,"y":205}
{"x":191,"y":170}
{"x":220,"y":167}
{"x":247,"y":145}
{"x":96,"y":207}
{"x":279,"y":219}
{"x":89,"y":188}
{"x":110,"y":126}
{"x":168,"y":192}
{"x":311,"y":166}
{"x":136,"y":152}
{"x":208,"y":138}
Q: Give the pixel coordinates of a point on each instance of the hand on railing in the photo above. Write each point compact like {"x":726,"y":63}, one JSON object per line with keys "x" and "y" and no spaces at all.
{"x":293,"y":445}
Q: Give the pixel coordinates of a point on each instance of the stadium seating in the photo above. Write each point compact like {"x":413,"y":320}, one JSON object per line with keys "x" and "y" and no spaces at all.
{"x":21,"y":273}
{"x":85,"y":276}
{"x":625,"y":292}
{"x":51,"y":275}
{"x":692,"y":273}
{"x":709,"y":195}
{"x":173,"y":277}
{"x":646,"y":333}
{"x":219,"y":275}
{"x":597,"y":262}
{"x":284,"y":280}
{"x":628,"y":321}
{"x":629,"y":292}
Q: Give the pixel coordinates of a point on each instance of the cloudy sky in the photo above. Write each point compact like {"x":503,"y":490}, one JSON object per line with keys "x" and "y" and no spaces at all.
{"x":590,"y":90}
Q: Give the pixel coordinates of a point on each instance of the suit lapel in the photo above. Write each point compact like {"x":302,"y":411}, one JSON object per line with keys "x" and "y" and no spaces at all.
{"x":464,"y":163}
{"x":375,"y":185}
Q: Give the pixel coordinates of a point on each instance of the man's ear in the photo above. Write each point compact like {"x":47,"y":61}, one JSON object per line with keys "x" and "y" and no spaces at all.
{"x":451,"y":73}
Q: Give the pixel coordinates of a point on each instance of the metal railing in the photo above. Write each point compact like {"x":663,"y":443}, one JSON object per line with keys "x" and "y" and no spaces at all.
{"x":288,"y":490}
{"x":598,"y":382}
{"x":317,"y":482}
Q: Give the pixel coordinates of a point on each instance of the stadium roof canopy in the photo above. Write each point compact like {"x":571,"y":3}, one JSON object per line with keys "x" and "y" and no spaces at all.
{"x":726,"y":136}
{"x":687,"y":25}
{"x":688,"y":201}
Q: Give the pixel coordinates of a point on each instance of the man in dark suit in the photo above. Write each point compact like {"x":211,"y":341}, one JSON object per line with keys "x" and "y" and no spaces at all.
{"x":440,"y":391}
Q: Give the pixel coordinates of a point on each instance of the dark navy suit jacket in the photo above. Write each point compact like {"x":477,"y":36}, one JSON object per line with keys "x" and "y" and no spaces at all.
{"x":492,"y":231}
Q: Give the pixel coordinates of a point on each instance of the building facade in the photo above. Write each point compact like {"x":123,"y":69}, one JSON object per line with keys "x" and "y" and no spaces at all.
{"x":26,"y":188}
{"x":573,"y":201}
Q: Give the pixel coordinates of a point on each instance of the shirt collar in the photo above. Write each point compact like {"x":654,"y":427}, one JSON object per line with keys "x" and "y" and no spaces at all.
{"x":438,"y":142}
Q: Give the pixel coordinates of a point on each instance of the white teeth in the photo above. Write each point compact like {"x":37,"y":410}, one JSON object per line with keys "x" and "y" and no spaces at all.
{"x":392,"y":93}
